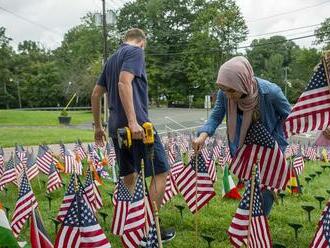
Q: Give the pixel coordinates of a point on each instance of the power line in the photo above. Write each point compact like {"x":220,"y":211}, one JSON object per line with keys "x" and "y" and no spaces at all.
{"x":287,"y":12}
{"x":31,"y":22}
{"x":241,"y":47}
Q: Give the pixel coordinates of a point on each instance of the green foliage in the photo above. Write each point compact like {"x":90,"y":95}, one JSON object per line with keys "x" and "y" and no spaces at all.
{"x":323,"y":34}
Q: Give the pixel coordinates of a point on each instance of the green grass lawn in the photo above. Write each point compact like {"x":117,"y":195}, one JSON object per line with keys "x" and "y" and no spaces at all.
{"x":40,"y":118}
{"x":35,"y":135}
{"x":214,"y":219}
{"x":35,"y":127}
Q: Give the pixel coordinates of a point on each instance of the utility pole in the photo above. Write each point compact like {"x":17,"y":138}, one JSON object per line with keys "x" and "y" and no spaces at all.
{"x":105,"y":56}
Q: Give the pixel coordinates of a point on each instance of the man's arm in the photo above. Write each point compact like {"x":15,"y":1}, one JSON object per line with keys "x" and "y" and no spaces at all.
{"x":99,"y":135}
{"x":126,"y":97}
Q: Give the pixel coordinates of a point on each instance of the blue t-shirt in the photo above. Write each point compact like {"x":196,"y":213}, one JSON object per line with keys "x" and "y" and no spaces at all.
{"x":131,"y":59}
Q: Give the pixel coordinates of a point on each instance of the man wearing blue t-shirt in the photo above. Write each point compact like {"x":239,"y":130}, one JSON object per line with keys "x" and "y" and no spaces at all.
{"x":124,"y":79}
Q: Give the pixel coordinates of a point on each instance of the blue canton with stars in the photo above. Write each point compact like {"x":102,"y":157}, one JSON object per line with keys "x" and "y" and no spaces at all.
{"x":10,"y":164}
{"x":123,"y":194}
{"x":71,"y":187}
{"x":24,"y":187}
{"x":89,"y":178}
{"x":30,"y":160}
{"x":201,"y":165}
{"x":258,"y":135}
{"x":138,"y":191}
{"x":152,"y":240}
{"x":51,"y":168}
{"x":318,"y":80}
{"x":79,"y":214}
{"x":326,"y":224}
{"x":257,"y":205}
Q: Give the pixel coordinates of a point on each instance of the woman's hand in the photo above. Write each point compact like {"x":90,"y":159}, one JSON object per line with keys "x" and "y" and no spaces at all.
{"x":198,"y":143}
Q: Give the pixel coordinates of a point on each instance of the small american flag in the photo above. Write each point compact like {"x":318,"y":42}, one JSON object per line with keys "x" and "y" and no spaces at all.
{"x":177,"y":166}
{"x":110,"y":153}
{"x":312,"y":110}
{"x":92,"y":156}
{"x":25,"y":203}
{"x":44,"y":159}
{"x":122,"y":198}
{"x":21,"y":153}
{"x":92,"y":191}
{"x":54,"y":179}
{"x":170,"y":188}
{"x":322,"y":235}
{"x":2,"y":160}
{"x":80,"y":227}
{"x":69,"y":196}
{"x":79,"y":150}
{"x":32,"y":167}
{"x":258,"y":225}
{"x":9,"y":174}
{"x":133,"y":237}
{"x":19,"y":163}
{"x":189,"y":178}
{"x":259,"y":144}
{"x":39,"y":237}
{"x":298,"y":162}
{"x":71,"y":165}
{"x":135,"y":219}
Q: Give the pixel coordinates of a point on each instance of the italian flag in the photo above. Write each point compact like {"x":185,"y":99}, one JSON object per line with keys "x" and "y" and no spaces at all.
{"x":229,"y":189}
{"x":7,"y":238}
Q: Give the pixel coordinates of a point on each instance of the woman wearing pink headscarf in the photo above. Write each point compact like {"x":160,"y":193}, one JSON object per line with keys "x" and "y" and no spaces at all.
{"x":241,"y":96}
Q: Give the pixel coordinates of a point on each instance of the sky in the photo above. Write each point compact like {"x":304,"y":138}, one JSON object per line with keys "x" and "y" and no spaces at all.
{"x":46,"y":21}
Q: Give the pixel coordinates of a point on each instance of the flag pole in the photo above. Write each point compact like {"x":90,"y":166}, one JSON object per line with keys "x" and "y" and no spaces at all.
{"x":291,"y":168}
{"x":251,"y":201}
{"x":159,"y":237}
{"x":196,"y":202}
{"x":144,"y":199}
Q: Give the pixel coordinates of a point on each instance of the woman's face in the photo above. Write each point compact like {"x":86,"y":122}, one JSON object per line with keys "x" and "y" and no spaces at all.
{"x":231,"y":93}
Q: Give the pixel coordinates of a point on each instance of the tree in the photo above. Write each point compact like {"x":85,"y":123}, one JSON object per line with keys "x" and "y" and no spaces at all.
{"x":187,"y":40}
{"x":323,"y":34}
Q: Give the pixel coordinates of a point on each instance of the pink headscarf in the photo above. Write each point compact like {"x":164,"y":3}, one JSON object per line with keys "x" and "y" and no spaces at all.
{"x":237,"y":74}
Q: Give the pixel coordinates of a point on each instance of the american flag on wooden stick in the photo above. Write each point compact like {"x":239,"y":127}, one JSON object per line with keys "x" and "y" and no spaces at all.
{"x":192,"y":183}
{"x":92,"y":191}
{"x":254,"y":233}
{"x":39,"y":237}
{"x":25,"y":203}
{"x":312,"y":110}
{"x":80,"y":227}
{"x":54,"y":179}
{"x":2,"y":159}
{"x":31,"y":167}
{"x":44,"y":159}
{"x":78,"y":149}
{"x":9,"y":174}
{"x":74,"y":185}
{"x":322,"y":235}
{"x":122,"y":198}
{"x":110,"y":153}
{"x":259,"y":144}
{"x":170,"y":188}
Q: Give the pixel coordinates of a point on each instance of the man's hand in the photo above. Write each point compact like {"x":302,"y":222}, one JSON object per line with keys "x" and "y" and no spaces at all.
{"x":198,"y":143}
{"x":136,"y":130}
{"x":100,"y":136}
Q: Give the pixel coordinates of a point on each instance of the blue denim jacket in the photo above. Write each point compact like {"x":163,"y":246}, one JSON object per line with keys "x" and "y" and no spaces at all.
{"x":274,"y":108}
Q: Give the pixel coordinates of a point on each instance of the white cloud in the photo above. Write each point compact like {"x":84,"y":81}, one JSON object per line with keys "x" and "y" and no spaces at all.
{"x":61,"y":15}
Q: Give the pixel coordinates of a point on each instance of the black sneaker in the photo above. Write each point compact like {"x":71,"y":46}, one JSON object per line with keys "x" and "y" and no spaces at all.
{"x":167,"y":234}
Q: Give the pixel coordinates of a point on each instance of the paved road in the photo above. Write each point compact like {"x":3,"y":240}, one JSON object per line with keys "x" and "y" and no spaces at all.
{"x":167,"y":119}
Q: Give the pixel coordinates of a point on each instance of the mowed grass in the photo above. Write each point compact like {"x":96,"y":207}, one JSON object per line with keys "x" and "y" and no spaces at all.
{"x":40,"y":118}
{"x":214,"y":219}
{"x":36,"y":127}
{"x":42,"y":135}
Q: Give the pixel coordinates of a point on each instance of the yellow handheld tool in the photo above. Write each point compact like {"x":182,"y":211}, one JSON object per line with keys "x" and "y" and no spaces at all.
{"x":124,"y":138}
{"x":149,"y":138}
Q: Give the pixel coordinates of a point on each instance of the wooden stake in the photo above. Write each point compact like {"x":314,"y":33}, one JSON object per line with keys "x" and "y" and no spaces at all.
{"x":196,"y":201}
{"x":251,"y":203}
{"x":159,"y":237}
